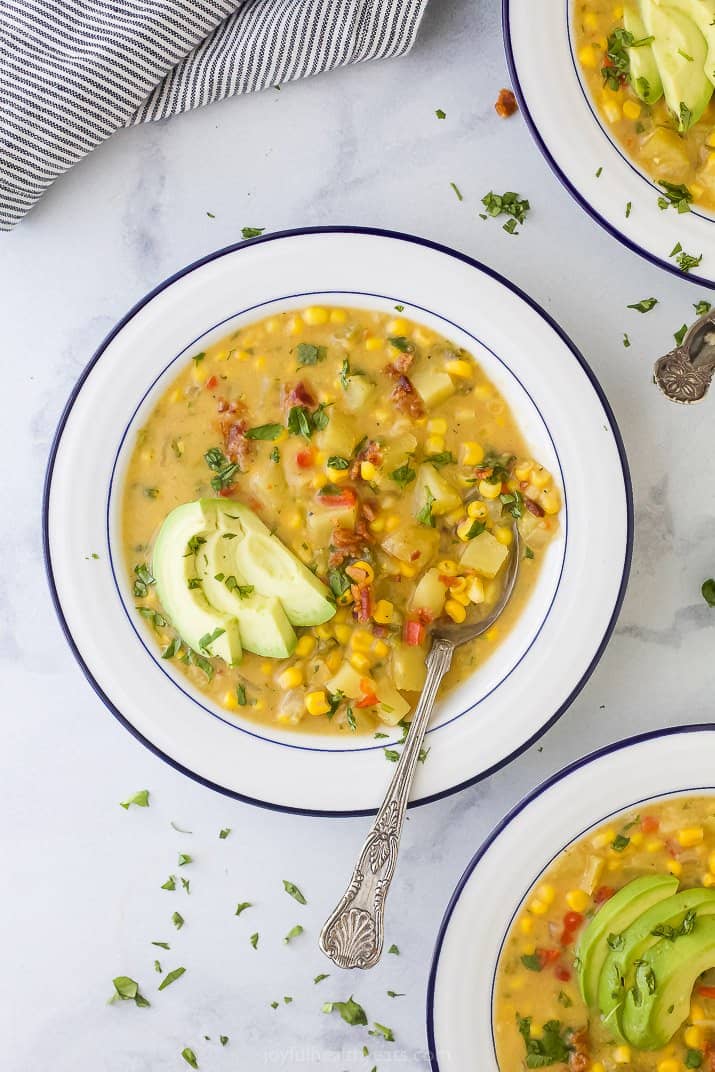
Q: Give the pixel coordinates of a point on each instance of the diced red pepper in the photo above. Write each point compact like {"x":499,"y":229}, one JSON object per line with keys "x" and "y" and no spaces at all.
{"x":706,"y":991}
{"x":649,"y":824}
{"x":603,"y":893}
{"x":572,"y":920}
{"x":304,"y":458}
{"x":211,"y":383}
{"x":414,"y":633}
{"x":562,"y":973}
{"x":346,"y":497}
{"x":226,"y":493}
{"x":367,"y":701}
{"x":548,"y":956}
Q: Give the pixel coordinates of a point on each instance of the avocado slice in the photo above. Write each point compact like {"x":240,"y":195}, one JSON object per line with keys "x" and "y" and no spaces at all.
{"x":262,"y":622}
{"x":645,"y":77}
{"x":680,"y":52}
{"x":628,"y":948}
{"x":702,"y":13}
{"x":174,"y":565}
{"x":659,"y":1001}
{"x":616,"y":914}
{"x":269,"y":566}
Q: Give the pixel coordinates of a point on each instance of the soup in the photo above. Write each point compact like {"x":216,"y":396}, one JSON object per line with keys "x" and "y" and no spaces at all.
{"x":610,"y":962}
{"x":666,"y":125}
{"x":355,"y":437}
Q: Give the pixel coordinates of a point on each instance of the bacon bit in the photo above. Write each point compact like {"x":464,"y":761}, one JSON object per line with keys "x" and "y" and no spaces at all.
{"x":380,"y":631}
{"x":482,"y":472}
{"x":236,"y":445}
{"x":404,"y":396}
{"x":362,"y":594}
{"x":603,"y":893}
{"x":297,"y":396}
{"x":211,"y":383}
{"x":370,"y":509}
{"x":414,"y":633}
{"x":505,"y":104}
{"x":370,"y":453}
{"x":348,"y":543}
{"x":304,"y":458}
{"x":533,"y":507}
{"x":649,"y":824}
{"x":344,"y":497}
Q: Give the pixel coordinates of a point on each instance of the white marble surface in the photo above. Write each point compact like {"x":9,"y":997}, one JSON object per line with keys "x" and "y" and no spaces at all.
{"x":80,"y":898}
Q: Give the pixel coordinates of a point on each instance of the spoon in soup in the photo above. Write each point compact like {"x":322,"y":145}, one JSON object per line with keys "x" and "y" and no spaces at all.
{"x":353,"y":936}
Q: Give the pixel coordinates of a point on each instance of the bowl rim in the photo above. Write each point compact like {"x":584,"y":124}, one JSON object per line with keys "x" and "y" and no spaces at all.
{"x":610,"y":228}
{"x":272,"y":237}
{"x":560,"y":775}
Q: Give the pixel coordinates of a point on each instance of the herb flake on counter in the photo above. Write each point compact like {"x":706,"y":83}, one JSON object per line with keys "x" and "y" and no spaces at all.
{"x":323,"y":975}
{"x":708,"y":591}
{"x":293,"y":891}
{"x":702,"y":307}
{"x":157,"y":967}
{"x":626,"y":340}
{"x":629,"y":207}
{"x":242,"y":906}
{"x":509,"y":204}
{"x":171,"y":977}
{"x":393,"y":949}
{"x":252,"y":232}
{"x":190,"y":1057}
{"x":391,"y":755}
{"x":294,"y":932}
{"x":685,"y":261}
{"x":394,"y":994}
{"x":139,"y":799}
{"x":178,"y":920}
{"x":223,"y":1039}
{"x":126,"y":989}
{"x":384,"y":1032}
{"x":644,"y":306}
{"x":599,"y":172}
{"x":162,"y":945}
{"x":184,"y":859}
{"x":170,"y":883}
{"x":254,"y":940}
{"x":440,"y":114}
{"x":186,"y":883}
{"x":457,"y":191}
{"x":226,"y":830}
{"x":349,"y":1010}
{"x":680,"y":334}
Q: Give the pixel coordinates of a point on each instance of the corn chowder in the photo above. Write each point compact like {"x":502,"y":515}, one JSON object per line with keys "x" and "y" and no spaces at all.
{"x":610,"y":963}
{"x":353,"y":438}
{"x":650,"y":68}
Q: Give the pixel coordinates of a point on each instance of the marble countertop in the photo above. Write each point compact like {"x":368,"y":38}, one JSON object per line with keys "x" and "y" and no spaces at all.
{"x":81,"y":897}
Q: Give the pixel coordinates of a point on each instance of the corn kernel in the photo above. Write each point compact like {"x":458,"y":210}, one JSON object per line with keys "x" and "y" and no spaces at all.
{"x":540,"y":477}
{"x":522,"y":469}
{"x":392,"y":522}
{"x":342,"y":633}
{"x":319,"y":480}
{"x":669,"y":1065}
{"x":708,"y":880}
{"x":447,"y":567}
{"x":598,"y":1067}
{"x":528,"y":949}
{"x":612,"y":110}
{"x":503,"y":534}
{"x":477,"y":510}
{"x":434,"y":444}
{"x":260,"y":362}
{"x":631,"y":109}
{"x":622,"y":1055}
{"x":346,"y":598}
{"x":538,"y":1033}
{"x":315,"y":315}
{"x":546,"y":893}
{"x":384,"y":612}
{"x":398,"y":326}
{"x":464,"y":528}
{"x":577,"y":900}
{"x":459,"y":584}
{"x":241,"y":355}
{"x":294,"y":325}
{"x":437,"y":426}
{"x":461,"y":597}
{"x":550,"y":500}
{"x":324,"y":631}
{"x":333,"y":660}
{"x":675,"y":867}
{"x":538,"y":908}
{"x":690,"y":835}
{"x":291,"y":678}
{"x":697,"y":1014}
{"x":305,"y":646}
{"x":339,"y":476}
{"x":463,"y":370}
{"x":373,"y":343}
{"x":368,"y":471}
{"x":492,"y":634}
{"x":489,"y":491}
{"x":381,"y":649}
{"x":455,"y":610}
{"x":605,"y":837}
{"x":378,"y":525}
{"x":176,"y":395}
{"x":694,"y":1037}
{"x":407,"y":570}
{"x":361,"y":640}
{"x":475,"y":590}
{"x":618,"y":11}
{"x":360,"y":661}
{"x":587,"y":56}
{"x":637,"y":839}
{"x":230,"y":700}
{"x":471,"y":453}
{"x":590,"y":22}
{"x":654,"y":845}
{"x":338,"y":316}
{"x":526,"y":924}
{"x":316,"y":703}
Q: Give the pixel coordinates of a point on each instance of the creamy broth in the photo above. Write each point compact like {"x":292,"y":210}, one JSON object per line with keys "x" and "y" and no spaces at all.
{"x":327,"y":422}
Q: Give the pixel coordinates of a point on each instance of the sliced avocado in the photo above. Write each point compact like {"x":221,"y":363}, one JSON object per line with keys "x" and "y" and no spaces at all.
{"x":262,"y":622}
{"x":702,"y":13}
{"x":174,"y":564}
{"x":659,"y":1001}
{"x":269,"y":566}
{"x":680,"y":52}
{"x":627,"y":948}
{"x":645,"y":77}
{"x":615,"y":915}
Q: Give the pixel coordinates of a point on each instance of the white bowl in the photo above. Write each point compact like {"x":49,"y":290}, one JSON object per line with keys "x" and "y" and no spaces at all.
{"x":654,"y":765}
{"x":558,"y":110}
{"x":510,"y":700}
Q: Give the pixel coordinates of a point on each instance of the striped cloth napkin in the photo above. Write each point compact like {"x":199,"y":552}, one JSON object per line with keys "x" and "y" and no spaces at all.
{"x":74,"y":71}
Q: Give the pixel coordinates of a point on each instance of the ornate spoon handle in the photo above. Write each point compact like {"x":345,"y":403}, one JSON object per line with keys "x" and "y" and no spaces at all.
{"x":353,"y":935}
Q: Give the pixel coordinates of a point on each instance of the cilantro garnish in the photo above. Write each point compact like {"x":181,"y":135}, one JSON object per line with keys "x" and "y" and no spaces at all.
{"x":550,"y":1049}
{"x":264,"y":431}
{"x":403,"y":475}
{"x":140,"y":799}
{"x":350,"y":1011}
{"x":509,"y":204}
{"x":677,"y":195}
{"x":293,"y":933}
{"x":708,"y":591}
{"x":126,"y":989}
{"x":309,"y":354}
{"x":171,"y":977}
{"x":293,"y":891}
{"x":251,"y":232}
{"x":644,"y":306}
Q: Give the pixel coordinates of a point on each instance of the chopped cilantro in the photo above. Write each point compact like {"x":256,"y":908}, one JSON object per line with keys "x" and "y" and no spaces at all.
{"x":644,"y":306}
{"x":293,"y":933}
{"x":293,"y":891}
{"x":350,"y":1011}
{"x":264,"y":431}
{"x":403,"y":475}
{"x":251,"y":232}
{"x":708,"y":591}
{"x":140,"y":799}
{"x":171,"y":977}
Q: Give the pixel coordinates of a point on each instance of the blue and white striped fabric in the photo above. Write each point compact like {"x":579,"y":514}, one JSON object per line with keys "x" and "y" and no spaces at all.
{"x":74,"y":71}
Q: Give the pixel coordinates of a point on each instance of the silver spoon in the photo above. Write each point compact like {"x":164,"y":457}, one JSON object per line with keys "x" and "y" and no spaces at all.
{"x":684,"y":374}
{"x":353,"y":936}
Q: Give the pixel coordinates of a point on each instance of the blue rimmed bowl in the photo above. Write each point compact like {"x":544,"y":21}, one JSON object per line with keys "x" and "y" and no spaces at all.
{"x":564,"y":121}
{"x":535,"y":672}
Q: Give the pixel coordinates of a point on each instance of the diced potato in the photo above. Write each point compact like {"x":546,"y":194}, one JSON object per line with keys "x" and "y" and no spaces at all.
{"x":667,"y":154}
{"x":392,"y":707}
{"x":357,"y":392}
{"x":346,"y":680}
{"x":321,"y":522}
{"x":270,"y":488}
{"x":433,"y":387}
{"x":445,"y":495}
{"x":338,"y":437}
{"x":429,"y":594}
{"x":485,"y":555}
{"x":408,"y":667}
{"x":527,"y":523}
{"x":396,"y":452}
{"x":415,"y":544}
